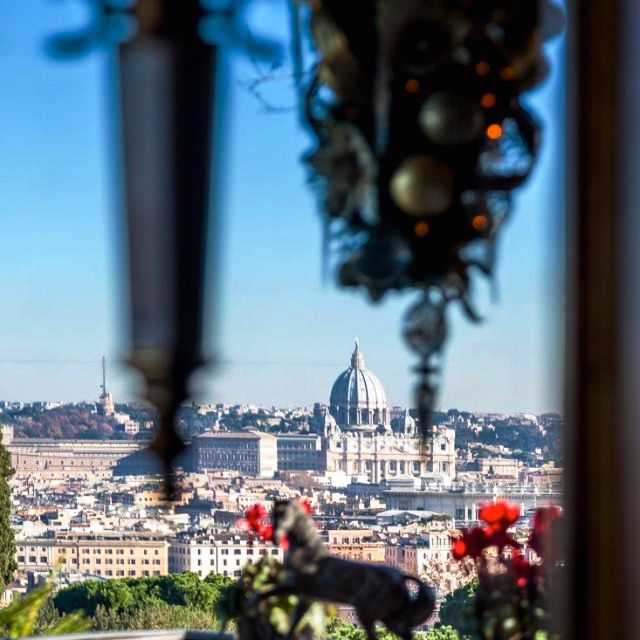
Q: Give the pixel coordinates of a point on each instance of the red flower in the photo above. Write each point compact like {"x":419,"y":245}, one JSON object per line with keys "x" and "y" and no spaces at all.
{"x":522,"y":569}
{"x":472,"y":543}
{"x":502,"y":539}
{"x":284,"y":543}
{"x":255,"y":520}
{"x":499,"y":515}
{"x":546,"y":516}
{"x":306,"y":506}
{"x":459,"y":549}
{"x":255,"y":517}
{"x":542,"y":522}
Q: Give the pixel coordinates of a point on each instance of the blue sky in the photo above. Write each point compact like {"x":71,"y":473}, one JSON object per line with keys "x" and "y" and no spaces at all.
{"x":283,"y":333}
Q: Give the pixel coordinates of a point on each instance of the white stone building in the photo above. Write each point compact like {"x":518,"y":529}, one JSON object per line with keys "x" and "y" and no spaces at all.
{"x":221,"y":553}
{"x":360,"y":439}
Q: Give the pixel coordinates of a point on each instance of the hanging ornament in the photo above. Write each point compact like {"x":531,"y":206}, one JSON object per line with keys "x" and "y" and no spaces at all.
{"x":422,"y":186}
{"x":421,"y":137}
{"x":450,"y":119}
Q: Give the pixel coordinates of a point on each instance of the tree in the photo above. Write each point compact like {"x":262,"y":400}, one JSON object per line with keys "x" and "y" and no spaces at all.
{"x":117,"y":598}
{"x":88,"y":596}
{"x":7,"y":545}
{"x":33,"y":614}
{"x":442,"y":633}
{"x":456,"y":606}
{"x":155,"y":616}
{"x":339,"y":630}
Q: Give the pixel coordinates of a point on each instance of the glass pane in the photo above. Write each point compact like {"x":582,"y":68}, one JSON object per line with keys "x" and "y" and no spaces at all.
{"x":309,"y":388}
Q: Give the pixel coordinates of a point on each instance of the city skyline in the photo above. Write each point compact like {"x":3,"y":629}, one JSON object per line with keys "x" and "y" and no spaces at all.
{"x":104,"y":389}
{"x":279,"y":329}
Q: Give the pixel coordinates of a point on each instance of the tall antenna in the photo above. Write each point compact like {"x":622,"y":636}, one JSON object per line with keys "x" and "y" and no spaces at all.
{"x":104,"y":376}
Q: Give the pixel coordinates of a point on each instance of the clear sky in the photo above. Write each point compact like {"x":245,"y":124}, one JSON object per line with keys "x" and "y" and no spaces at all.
{"x":283,"y":334}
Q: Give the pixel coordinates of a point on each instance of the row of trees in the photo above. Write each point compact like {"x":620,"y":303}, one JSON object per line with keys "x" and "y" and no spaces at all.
{"x":61,"y":423}
{"x":339,"y":630}
{"x":522,"y":438}
{"x":181,"y":600}
{"x":128,"y":595}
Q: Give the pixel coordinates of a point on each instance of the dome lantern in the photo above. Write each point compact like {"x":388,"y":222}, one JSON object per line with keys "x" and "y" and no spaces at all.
{"x":357,"y":359}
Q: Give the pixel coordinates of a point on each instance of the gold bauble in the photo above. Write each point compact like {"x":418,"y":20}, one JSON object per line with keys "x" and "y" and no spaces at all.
{"x":422,"y":186}
{"x":450,"y":119}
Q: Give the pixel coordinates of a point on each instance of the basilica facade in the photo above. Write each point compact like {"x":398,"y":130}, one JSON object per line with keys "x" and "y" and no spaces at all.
{"x":361,"y":436}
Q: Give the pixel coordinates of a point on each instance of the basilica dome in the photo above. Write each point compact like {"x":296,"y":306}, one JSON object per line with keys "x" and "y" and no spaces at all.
{"x":357,"y":397}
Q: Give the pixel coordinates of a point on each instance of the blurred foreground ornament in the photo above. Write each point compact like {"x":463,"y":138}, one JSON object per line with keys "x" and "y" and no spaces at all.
{"x":421,"y":137}
{"x":167,"y":76}
{"x":422,"y":186}
{"x":169,"y":72}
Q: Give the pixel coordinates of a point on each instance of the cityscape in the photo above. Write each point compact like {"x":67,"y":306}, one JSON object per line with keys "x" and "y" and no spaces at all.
{"x":88,"y":501}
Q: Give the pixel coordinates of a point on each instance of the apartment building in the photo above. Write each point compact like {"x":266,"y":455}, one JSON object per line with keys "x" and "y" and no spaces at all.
{"x":111,"y":555}
{"x":358,"y":545}
{"x":414,"y":555}
{"x":221,"y":553}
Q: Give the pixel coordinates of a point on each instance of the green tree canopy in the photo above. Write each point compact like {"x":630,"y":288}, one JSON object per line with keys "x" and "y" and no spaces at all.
{"x":7,"y":546}
{"x":179,"y":589}
{"x":340,"y":630}
{"x":455,"y":608}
